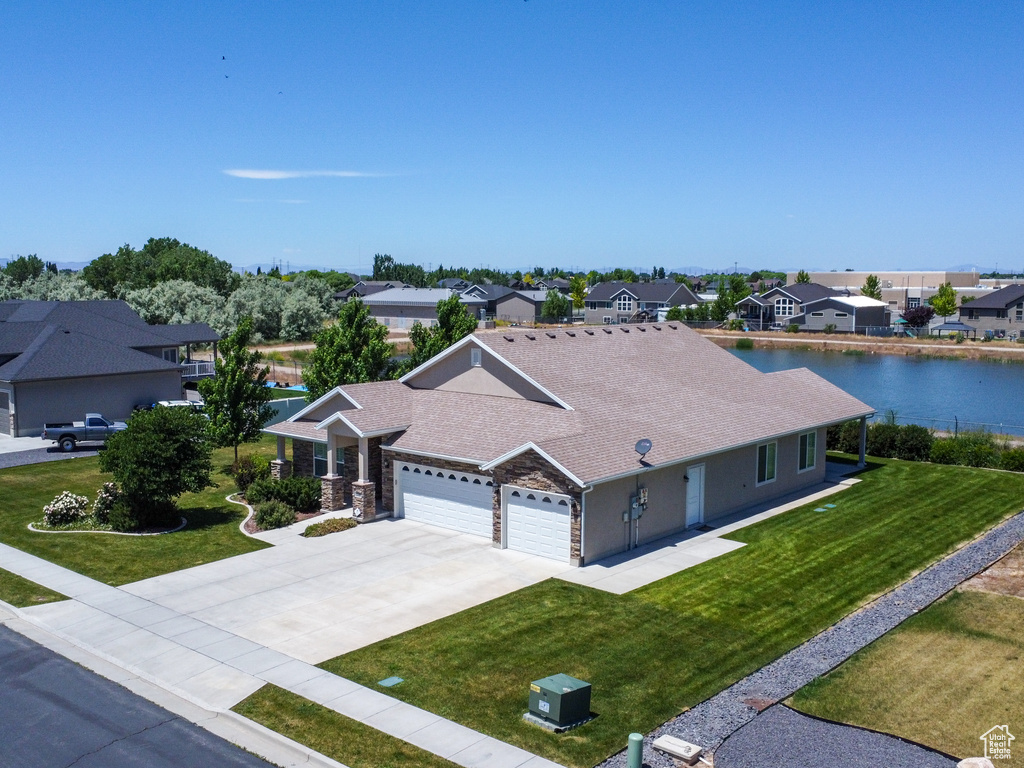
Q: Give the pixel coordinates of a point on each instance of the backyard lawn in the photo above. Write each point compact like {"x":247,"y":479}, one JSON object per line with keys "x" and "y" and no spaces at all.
{"x":22,"y":593}
{"x":942,"y":679}
{"x":211,"y":534}
{"x":653,"y":652}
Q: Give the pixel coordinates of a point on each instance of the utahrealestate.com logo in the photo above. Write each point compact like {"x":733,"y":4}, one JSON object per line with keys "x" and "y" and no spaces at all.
{"x":997,"y":742}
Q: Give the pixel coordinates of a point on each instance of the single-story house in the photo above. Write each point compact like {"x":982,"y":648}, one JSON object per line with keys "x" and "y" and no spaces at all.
{"x":1001,"y":311}
{"x":504,"y":436}
{"x":404,"y":307}
{"x":60,"y":359}
{"x":611,"y":303}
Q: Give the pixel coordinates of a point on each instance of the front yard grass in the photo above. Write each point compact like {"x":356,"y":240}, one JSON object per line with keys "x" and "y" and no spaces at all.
{"x":22,"y":593}
{"x":211,"y":534}
{"x":655,"y":651}
{"x":943,"y":678}
{"x":330,"y":733}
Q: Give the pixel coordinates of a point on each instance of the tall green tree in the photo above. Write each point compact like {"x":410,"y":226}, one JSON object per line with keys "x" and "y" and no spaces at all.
{"x":556,"y":306}
{"x":803,"y":277}
{"x":353,"y":350}
{"x":675,"y":313}
{"x":237,"y":397}
{"x":944,"y":301}
{"x":578,"y":291}
{"x":723,"y":303}
{"x":872,"y":288}
{"x":453,"y":324}
{"x":24,"y":268}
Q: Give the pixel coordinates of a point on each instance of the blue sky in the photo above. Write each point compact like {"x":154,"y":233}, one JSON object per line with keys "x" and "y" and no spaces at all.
{"x":516,"y":133}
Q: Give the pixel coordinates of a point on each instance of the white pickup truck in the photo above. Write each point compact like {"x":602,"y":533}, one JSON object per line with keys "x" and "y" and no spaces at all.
{"x":95,"y":428}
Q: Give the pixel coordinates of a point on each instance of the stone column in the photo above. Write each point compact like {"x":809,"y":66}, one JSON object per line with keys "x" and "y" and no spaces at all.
{"x":364,"y":501}
{"x":332,"y":493}
{"x":280,"y":468}
{"x":862,"y":460}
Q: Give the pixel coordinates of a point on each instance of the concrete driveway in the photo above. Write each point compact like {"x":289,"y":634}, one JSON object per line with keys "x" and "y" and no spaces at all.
{"x":317,"y":598}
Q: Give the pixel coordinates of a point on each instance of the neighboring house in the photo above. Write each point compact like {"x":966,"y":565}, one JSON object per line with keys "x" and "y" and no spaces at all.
{"x":59,"y":359}
{"x":367,"y":288}
{"x":489,"y":293}
{"x":848,"y":314}
{"x":1001,"y":311}
{"x":404,"y":307}
{"x":500,"y":436}
{"x":611,"y":303}
{"x":780,"y":305}
{"x":520,"y":306}
{"x":453,"y":284}
{"x":560,"y":284}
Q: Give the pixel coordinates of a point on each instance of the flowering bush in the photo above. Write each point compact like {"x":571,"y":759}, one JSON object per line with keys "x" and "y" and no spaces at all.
{"x":105,"y":498}
{"x":67,"y":508}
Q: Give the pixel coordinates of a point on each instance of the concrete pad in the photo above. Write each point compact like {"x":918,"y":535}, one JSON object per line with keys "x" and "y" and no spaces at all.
{"x":221,"y":686}
{"x":199,"y":638}
{"x":259,"y":661}
{"x":175,"y":626}
{"x":400,"y":721}
{"x":176,"y":665}
{"x":444,"y":738}
{"x":290,"y":674}
{"x":325,"y":687}
{"x":712,"y":548}
{"x":537,"y":761}
{"x":491,"y":753}
{"x":135,"y":647}
{"x":113,"y":601}
{"x":229,"y":649}
{"x":361,"y":703}
{"x":60,"y":616}
{"x":147,"y":617}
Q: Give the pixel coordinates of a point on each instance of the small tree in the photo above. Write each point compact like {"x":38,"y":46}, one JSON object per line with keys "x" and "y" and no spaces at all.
{"x":353,"y":350}
{"x":578,"y":291}
{"x":675,"y":314}
{"x":237,"y":397}
{"x":555,"y":306}
{"x":803,"y":277}
{"x":919,"y":317}
{"x":944,"y":301}
{"x":453,"y":323}
{"x":162,"y":454}
{"x":872,"y":288}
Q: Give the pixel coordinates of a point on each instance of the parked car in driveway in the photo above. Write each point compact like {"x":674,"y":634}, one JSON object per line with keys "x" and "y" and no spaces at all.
{"x":94,"y":428}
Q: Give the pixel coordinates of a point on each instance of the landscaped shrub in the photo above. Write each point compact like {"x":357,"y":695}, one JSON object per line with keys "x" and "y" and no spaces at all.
{"x":792,"y":328}
{"x":969,"y":449}
{"x":944,"y":451}
{"x":849,"y":437}
{"x":158,"y":514}
{"x":882,"y":440}
{"x":273,"y":514}
{"x":248,"y":469}
{"x":829,"y":328}
{"x":744,"y":343}
{"x":914,"y":443}
{"x":65,"y":509}
{"x":735,"y":325}
{"x":105,"y":498}
{"x":1012,"y":460}
{"x":334,"y":525}
{"x":300,"y":493}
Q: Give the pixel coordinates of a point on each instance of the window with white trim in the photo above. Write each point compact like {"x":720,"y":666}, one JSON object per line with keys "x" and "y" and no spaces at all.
{"x":783,"y":307}
{"x":624,"y":303}
{"x":320,"y":460}
{"x":817,"y":314}
{"x":766,"y":463}
{"x":808,"y":451}
{"x":842,"y":314}
{"x":913,"y":303}
{"x":476,"y":357}
{"x":607,"y":319}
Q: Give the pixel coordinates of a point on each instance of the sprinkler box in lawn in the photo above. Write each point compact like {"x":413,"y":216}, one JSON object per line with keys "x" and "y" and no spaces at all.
{"x":560,"y":700}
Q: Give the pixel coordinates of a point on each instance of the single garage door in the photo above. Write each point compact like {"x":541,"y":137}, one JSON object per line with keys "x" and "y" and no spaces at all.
{"x":453,"y":500}
{"x":538,"y":523}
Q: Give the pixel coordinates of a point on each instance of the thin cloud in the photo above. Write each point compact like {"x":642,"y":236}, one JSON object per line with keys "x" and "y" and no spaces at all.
{"x":256,"y":173}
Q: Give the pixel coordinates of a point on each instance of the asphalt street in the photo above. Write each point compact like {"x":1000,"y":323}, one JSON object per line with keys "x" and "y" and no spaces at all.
{"x":54,"y":713}
{"x":39,"y":455}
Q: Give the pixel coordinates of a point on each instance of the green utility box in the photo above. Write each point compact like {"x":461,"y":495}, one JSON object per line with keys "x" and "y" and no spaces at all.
{"x":560,"y":699}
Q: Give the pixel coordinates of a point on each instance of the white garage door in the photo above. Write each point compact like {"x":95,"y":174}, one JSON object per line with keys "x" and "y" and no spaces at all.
{"x":453,"y":500}
{"x":538,"y":523}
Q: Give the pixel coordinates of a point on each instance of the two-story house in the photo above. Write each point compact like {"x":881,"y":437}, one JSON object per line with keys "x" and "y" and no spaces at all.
{"x":1001,"y":311}
{"x":615,"y":303}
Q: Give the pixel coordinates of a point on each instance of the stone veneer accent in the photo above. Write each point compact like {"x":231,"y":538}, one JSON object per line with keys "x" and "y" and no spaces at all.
{"x":531,"y":470}
{"x":332,"y":493}
{"x":302,"y":458}
{"x":280,"y":470}
{"x":364,"y":501}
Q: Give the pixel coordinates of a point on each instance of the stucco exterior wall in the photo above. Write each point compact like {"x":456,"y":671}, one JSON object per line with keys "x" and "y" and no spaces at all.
{"x":516,"y":309}
{"x":456,"y":373}
{"x":730,"y":484}
{"x":37,"y":402}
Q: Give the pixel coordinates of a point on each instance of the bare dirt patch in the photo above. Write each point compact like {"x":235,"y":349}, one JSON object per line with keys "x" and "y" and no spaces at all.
{"x":1004,"y":577}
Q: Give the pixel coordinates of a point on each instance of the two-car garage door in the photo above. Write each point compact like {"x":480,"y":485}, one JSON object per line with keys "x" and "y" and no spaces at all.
{"x":455,"y":500}
{"x":535,"y":522}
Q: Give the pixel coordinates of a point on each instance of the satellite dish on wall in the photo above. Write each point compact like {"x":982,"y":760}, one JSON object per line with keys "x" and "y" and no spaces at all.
{"x":643,"y":447}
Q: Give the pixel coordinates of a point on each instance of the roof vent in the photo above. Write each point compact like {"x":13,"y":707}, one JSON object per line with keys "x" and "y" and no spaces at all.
{"x":624,"y":330}
{"x":588,"y":332}
{"x":641,"y":329}
{"x":607,"y":330}
{"x":550,"y":335}
{"x":673,"y":327}
{"x":509,"y":338}
{"x":570,"y":333}
{"x":656,"y":327}
{"x":531,"y":337}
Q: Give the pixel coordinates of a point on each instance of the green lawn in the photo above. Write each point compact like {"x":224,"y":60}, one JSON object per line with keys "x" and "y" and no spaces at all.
{"x":943,"y":678}
{"x":22,"y":593}
{"x":329,"y":733}
{"x":212,"y":532}
{"x":657,"y":650}
{"x":280,"y":393}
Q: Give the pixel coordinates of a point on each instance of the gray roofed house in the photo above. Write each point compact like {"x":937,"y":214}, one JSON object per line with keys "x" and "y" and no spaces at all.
{"x":611,"y":303}
{"x":1001,"y":312}
{"x":367,"y":288}
{"x":520,"y":306}
{"x":501,"y":437}
{"x":490,"y":293}
{"x":404,"y":307}
{"x":59,"y":359}
{"x":780,"y":305}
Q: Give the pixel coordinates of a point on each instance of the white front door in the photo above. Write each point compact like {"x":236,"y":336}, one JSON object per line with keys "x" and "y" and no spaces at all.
{"x":695,"y":495}
{"x":537,"y":522}
{"x":455,"y":500}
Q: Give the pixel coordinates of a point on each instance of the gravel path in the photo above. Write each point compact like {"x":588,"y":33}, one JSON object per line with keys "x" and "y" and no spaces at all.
{"x":714,"y":720}
{"x":811,"y":743}
{"x":39,"y":455}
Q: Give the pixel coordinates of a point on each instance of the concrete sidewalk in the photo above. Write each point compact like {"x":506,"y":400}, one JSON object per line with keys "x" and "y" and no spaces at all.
{"x":215,"y":669}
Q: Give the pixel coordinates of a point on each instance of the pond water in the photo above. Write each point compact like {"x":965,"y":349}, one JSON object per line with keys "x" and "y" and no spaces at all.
{"x":944,"y":394}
